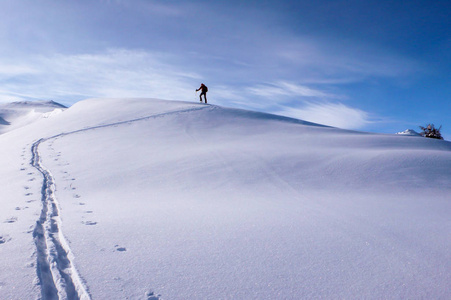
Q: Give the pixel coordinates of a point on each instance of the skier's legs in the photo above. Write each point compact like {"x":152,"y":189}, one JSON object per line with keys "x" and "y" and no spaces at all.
{"x":205,"y":97}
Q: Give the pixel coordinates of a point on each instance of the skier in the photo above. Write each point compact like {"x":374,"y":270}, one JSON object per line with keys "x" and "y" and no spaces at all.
{"x":204,"y":89}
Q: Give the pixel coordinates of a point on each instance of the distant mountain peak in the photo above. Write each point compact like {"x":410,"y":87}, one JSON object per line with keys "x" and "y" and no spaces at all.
{"x":409,"y":132}
{"x":49,"y":103}
{"x":18,"y":114}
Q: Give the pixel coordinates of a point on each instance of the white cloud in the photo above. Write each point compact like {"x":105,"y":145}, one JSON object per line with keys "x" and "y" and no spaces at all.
{"x":283,"y":88}
{"x":7,"y":97}
{"x":296,"y":101}
{"x":150,"y":7}
{"x":114,"y":73}
{"x":15,"y":70}
{"x":327,"y":113}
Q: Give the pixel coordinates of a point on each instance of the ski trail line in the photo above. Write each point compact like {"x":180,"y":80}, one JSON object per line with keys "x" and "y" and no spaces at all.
{"x":58,"y":277}
{"x":134,"y":120}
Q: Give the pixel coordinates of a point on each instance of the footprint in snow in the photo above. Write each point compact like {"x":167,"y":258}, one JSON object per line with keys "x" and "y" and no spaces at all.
{"x":120,"y":249}
{"x":4,"y":239}
{"x":11,"y":220}
{"x":152,"y":296}
{"x":89,"y":222}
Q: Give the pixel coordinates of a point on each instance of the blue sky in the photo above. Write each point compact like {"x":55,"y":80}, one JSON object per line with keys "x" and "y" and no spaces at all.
{"x":379,"y":66}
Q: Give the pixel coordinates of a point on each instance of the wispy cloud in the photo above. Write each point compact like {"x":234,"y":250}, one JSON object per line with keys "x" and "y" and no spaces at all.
{"x":8,"y":70}
{"x":114,"y":73}
{"x":9,"y":97}
{"x":149,"y":6}
{"x":328,"y":113}
{"x":139,"y":73}
{"x":300,"y":102}
{"x":283,"y":88}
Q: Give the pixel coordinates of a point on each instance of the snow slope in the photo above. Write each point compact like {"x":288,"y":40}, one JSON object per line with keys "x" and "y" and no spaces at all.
{"x":152,"y":199}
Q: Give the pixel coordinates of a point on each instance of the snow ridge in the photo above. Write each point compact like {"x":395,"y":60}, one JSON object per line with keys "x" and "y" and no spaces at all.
{"x":57,"y":275}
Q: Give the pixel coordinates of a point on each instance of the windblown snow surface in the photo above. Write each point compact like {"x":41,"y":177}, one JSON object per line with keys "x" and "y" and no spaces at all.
{"x":151,"y":199}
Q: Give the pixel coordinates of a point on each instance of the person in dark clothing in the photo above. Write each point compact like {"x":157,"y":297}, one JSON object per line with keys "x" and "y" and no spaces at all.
{"x":204,"y":89}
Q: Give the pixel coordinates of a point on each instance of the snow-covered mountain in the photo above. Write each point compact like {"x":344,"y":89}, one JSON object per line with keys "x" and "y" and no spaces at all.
{"x":409,"y":132}
{"x":151,"y":199}
{"x":17,"y":114}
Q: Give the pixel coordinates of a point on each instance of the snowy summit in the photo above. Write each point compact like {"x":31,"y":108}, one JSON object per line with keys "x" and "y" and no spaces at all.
{"x":409,"y":132}
{"x":152,"y":199}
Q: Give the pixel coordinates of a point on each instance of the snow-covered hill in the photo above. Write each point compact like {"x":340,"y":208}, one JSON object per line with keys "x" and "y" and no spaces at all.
{"x":152,"y":199}
{"x":18,"y":114}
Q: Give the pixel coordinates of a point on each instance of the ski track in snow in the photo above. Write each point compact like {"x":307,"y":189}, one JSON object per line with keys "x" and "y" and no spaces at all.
{"x":56,"y":272}
{"x":57,"y":275}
